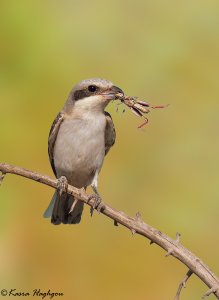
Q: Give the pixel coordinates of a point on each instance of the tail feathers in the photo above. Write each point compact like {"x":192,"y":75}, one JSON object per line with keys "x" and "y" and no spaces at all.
{"x":60,"y":207}
{"x":48,"y":211}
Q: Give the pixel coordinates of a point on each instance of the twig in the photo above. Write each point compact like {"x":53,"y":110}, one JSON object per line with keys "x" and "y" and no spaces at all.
{"x":194,"y":264}
{"x":212,"y":290}
{"x":177,"y":240}
{"x":183,"y":284}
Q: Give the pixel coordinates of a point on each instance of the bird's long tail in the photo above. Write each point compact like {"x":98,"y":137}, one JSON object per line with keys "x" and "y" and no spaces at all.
{"x":59,"y":210}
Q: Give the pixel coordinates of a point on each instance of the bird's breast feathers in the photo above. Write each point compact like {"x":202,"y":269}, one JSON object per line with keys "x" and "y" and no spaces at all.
{"x":80,"y":144}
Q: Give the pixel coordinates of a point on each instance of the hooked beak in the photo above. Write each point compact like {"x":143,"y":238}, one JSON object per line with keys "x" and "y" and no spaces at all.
{"x":112,"y":92}
{"x":116,"y":90}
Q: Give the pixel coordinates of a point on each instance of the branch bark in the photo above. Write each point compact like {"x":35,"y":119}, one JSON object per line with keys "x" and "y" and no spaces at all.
{"x":136,"y":225}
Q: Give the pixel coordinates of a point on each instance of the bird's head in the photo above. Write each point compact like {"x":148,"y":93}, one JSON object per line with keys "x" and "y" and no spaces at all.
{"x":92,"y":94}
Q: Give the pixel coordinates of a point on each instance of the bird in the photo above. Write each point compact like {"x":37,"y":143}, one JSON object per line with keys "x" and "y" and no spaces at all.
{"x":80,"y":137}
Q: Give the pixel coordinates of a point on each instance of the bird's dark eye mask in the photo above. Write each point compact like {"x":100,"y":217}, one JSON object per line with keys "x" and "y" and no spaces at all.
{"x":89,"y":91}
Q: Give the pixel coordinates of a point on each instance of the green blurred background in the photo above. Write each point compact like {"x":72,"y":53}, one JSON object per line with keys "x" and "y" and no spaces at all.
{"x":162,"y":51}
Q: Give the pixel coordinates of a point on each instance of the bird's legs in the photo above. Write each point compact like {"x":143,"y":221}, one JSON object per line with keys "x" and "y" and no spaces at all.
{"x":62,"y":186}
{"x":98,"y":203}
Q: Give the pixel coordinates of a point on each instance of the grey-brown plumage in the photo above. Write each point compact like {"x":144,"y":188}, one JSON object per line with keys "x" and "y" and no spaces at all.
{"x":80,"y":136}
{"x":110,"y":133}
{"x":52,"y":138}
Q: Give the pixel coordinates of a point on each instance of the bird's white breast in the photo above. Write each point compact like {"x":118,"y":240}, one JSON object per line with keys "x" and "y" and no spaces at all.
{"x":80,"y":148}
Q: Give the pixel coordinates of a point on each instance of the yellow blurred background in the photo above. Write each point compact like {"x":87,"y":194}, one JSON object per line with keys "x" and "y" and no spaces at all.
{"x":162,"y":51}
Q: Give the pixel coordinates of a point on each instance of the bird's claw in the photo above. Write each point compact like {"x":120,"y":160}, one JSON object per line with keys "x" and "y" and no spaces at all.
{"x":97,"y":203}
{"x":62,"y":185}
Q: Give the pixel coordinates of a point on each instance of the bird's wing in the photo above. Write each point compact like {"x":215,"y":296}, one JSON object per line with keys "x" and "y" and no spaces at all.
{"x":110,"y":133}
{"x":52,"y":138}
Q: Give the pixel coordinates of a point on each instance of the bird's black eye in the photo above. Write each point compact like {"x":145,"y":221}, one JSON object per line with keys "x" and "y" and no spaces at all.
{"x":92,"y":88}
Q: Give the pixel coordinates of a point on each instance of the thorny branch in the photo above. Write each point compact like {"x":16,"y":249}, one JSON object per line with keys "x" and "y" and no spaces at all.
{"x":136,"y":225}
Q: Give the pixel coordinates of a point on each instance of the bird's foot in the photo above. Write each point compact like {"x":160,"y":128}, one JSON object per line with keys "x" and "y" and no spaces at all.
{"x":62,"y":185}
{"x":97,"y":203}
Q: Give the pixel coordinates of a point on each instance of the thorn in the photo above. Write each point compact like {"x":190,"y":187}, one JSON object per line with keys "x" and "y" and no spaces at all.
{"x":2,"y":176}
{"x":116,"y":223}
{"x":133,"y":231}
{"x":138,"y":217}
{"x":178,"y":235}
{"x":169,"y":252}
{"x":210,"y":291}
{"x":151,"y":242}
{"x":73,"y":205}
